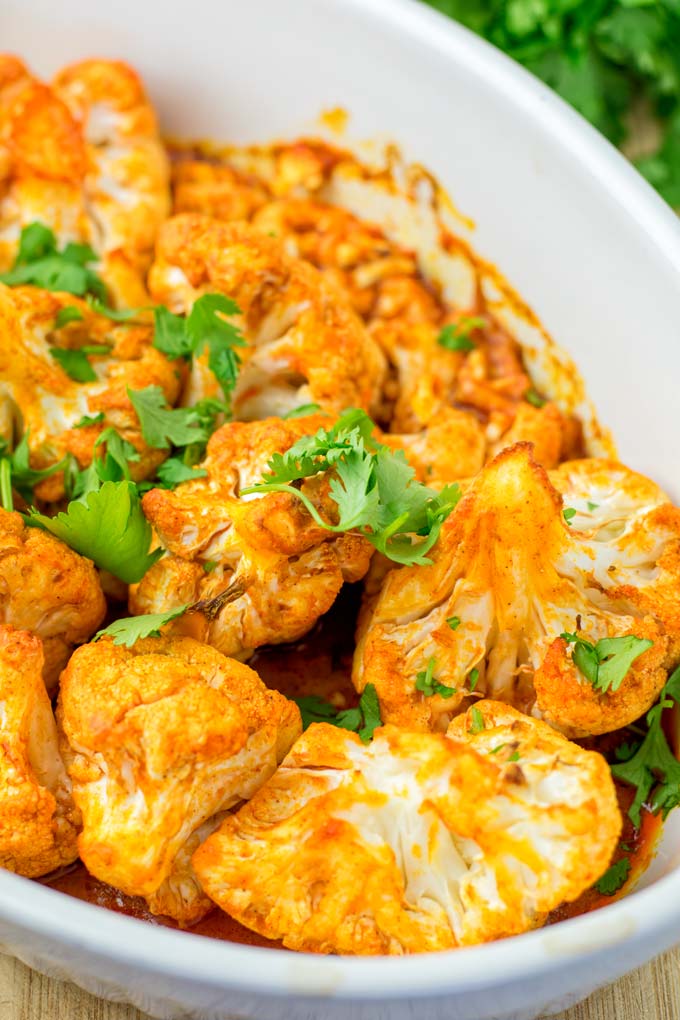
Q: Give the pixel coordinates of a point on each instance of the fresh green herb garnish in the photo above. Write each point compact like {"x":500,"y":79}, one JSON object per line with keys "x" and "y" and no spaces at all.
{"x":68,"y":314}
{"x":592,"y":506}
{"x":133,"y":628}
{"x":495,"y":750}
{"x":453,"y":622}
{"x":606,"y":663}
{"x":455,"y":336}
{"x":569,"y":513}
{"x":514,"y":756}
{"x":473,"y":677}
{"x":373,"y":487}
{"x":205,"y":327}
{"x":86,"y":420}
{"x":651,"y":767}
{"x":534,"y":398}
{"x":75,"y":363}
{"x":302,"y":411}
{"x":39,"y":262}
{"x":162,"y":425}
{"x":606,"y":58}
{"x":18,"y":473}
{"x":476,"y":721}
{"x":614,"y":878}
{"x":108,"y":527}
{"x":428,"y":685}
{"x":210,"y":565}
{"x":363,"y":720}
{"x":124,"y":315}
{"x":174,"y":471}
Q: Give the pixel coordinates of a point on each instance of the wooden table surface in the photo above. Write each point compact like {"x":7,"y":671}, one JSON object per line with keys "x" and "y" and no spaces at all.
{"x":652,"y":993}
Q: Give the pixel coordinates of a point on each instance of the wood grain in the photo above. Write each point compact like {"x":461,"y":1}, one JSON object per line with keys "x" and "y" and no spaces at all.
{"x":651,"y":993}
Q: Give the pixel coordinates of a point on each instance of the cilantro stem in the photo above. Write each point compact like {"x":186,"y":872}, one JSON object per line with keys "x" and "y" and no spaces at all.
{"x":6,"y":497}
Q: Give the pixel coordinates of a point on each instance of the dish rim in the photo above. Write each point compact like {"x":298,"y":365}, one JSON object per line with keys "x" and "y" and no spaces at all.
{"x":651,"y":912}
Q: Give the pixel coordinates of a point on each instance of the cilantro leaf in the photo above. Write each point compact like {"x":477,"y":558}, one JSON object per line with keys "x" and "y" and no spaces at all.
{"x":363,"y":720}
{"x":614,"y":878}
{"x":74,"y":363}
{"x":18,"y":471}
{"x":606,"y":663}
{"x":653,"y":766}
{"x":170,"y":334}
{"x":162,"y":425}
{"x":477,"y":724}
{"x":534,"y":398}
{"x":87,"y":420}
{"x":453,"y":622}
{"x":302,"y":411}
{"x":39,"y":262}
{"x":569,"y":513}
{"x":108,"y":527}
{"x":373,"y":487}
{"x":174,"y":471}
{"x":67,"y":314}
{"x":133,"y":628}
{"x":428,"y":685}
{"x":455,"y":336}
{"x":209,"y":329}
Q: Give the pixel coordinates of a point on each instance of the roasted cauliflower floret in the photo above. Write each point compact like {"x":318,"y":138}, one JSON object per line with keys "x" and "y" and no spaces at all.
{"x":160,"y":739}
{"x":40,"y":398}
{"x":414,"y":843}
{"x":48,"y":589}
{"x":509,"y":577}
{"x":449,"y":449}
{"x":260,"y":569}
{"x":305,"y":344}
{"x":84,"y":157}
{"x":38,"y":819}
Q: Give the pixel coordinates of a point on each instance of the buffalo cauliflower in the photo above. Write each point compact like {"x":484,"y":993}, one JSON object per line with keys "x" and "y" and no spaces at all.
{"x":40,"y":399}
{"x":518,"y":593}
{"x":416,"y":842}
{"x":38,"y":819}
{"x":83,"y":156}
{"x":305,"y":344}
{"x":258,"y":567}
{"x":160,"y":739}
{"x":48,"y":589}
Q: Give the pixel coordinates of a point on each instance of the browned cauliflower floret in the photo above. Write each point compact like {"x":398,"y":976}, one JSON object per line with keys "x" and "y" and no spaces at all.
{"x":160,"y":740}
{"x":305,"y":344}
{"x":38,"y":397}
{"x":415,"y":842}
{"x":38,"y":819}
{"x":509,"y":576}
{"x":48,"y":589}
{"x":449,"y":449}
{"x":261,"y":570}
{"x":84,"y":157}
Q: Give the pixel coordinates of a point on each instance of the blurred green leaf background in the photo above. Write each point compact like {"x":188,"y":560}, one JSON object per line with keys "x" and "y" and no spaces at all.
{"x":613,"y":60}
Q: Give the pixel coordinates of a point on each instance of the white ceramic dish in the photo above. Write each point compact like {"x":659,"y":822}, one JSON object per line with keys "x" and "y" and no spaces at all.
{"x":592,"y":250}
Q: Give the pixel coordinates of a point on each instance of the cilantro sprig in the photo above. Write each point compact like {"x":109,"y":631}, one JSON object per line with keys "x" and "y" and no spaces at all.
{"x":40,"y":262}
{"x":206,"y":327}
{"x":131,"y":629}
{"x":427,"y":683}
{"x":604,"y":57}
{"x":651,"y":767}
{"x":163,"y":426}
{"x":373,"y":487}
{"x":605,"y":664}
{"x":363,"y":720}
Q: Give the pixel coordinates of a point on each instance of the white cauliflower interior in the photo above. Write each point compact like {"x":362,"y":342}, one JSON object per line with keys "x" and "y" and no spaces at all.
{"x":509,"y":576}
{"x":415,"y":842}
